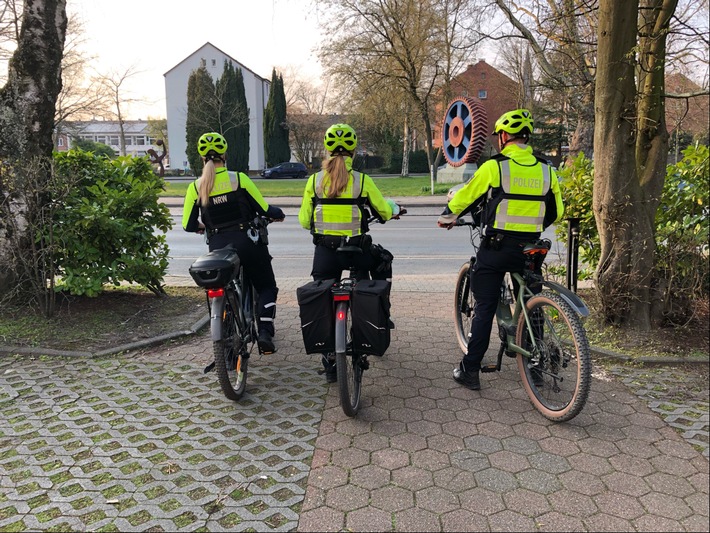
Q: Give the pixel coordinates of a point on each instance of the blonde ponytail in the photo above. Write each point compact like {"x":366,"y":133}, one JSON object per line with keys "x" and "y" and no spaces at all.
{"x":339,"y":177}
{"x":206,"y":182}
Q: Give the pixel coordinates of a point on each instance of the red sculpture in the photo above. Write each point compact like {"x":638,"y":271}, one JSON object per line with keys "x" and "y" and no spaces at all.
{"x":158,"y":159}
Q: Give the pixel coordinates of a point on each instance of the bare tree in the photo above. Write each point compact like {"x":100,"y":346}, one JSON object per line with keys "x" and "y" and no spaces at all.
{"x":83,"y":96}
{"x":10,"y":20}
{"x":114,"y":83}
{"x":415,"y":45}
{"x":306,"y":116}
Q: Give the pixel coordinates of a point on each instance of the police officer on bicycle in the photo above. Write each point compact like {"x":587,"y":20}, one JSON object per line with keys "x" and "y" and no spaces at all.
{"x":225,"y":205}
{"x":335,"y":210}
{"x":520,"y":196}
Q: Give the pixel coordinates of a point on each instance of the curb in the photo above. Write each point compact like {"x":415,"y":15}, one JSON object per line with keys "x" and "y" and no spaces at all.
{"x":197,"y":326}
{"x":601,"y":353}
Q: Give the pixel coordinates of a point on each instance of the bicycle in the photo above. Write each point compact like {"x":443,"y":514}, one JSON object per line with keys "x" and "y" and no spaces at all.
{"x":543,"y":331}
{"x":350,"y":361}
{"x":231,"y":300}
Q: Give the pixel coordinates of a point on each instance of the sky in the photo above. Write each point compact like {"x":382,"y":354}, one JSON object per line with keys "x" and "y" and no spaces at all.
{"x":155,"y":36}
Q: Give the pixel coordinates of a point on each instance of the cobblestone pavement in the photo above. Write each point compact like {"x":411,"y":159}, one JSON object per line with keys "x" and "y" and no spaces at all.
{"x":146,"y":441}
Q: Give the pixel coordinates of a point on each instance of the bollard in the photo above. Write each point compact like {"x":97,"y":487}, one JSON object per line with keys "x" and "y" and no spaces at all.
{"x":572,"y":252}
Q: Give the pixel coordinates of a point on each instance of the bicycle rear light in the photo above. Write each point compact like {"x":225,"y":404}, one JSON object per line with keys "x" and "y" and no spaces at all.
{"x":215,"y":293}
{"x":341,"y":315}
{"x":341,"y":297}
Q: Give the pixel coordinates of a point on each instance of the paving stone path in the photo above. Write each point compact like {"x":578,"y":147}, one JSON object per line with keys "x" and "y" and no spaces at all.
{"x":145,"y":441}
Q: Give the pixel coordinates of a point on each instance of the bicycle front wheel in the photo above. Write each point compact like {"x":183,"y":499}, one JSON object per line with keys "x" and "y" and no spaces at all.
{"x":229,"y":356}
{"x":558,"y":376}
{"x":464,"y":304}
{"x":347,"y":364}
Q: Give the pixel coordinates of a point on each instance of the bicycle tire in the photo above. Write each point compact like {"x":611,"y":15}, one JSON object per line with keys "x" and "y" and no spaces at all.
{"x":564,"y":372}
{"x":347,"y":365}
{"x":464,"y":303}
{"x":231,"y":363}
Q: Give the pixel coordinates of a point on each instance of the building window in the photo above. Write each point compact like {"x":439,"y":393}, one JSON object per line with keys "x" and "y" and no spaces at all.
{"x":113,"y":140}
{"x":203,"y":63}
{"x":129,"y":140}
{"x":101,"y":139}
{"x":60,"y":141}
{"x":140,"y":140}
{"x":214,"y":62}
{"x":483,"y":94}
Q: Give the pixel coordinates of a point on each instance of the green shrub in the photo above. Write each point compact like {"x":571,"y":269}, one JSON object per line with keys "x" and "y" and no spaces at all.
{"x":682,"y":234}
{"x":576,"y":184}
{"x":105,"y":229}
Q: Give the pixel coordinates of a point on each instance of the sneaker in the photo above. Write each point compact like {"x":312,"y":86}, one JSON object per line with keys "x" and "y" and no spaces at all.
{"x":266,"y":342}
{"x":469,"y":379}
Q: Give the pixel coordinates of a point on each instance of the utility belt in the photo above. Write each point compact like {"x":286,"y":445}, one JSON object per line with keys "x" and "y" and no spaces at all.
{"x":257,"y":233}
{"x":496,"y":241}
{"x":334,"y":242}
{"x":230,"y":229}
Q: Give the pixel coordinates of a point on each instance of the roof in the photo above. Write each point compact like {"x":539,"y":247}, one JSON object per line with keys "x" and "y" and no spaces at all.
{"x":221,"y":52}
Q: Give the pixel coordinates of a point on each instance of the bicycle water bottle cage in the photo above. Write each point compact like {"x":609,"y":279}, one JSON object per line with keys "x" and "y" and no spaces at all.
{"x":215,"y":269}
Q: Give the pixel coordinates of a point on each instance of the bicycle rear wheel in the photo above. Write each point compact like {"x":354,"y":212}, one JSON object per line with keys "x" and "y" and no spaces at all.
{"x":229,"y":356}
{"x":347,"y":364}
{"x":558,"y":382}
{"x":464,"y":303}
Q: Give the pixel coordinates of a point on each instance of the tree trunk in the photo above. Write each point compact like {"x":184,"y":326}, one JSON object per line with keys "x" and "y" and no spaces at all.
{"x":630,"y":146}
{"x":27,"y":109}
{"x":582,"y":139}
{"x":406,"y":148}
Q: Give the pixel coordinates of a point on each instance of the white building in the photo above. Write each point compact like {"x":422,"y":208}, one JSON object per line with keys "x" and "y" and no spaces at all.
{"x":109,"y":132}
{"x":257,"y":95}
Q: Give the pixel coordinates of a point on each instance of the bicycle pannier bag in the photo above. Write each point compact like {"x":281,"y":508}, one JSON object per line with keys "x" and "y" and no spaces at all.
{"x":215,"y":269}
{"x":315,"y":302}
{"x":370,"y":314}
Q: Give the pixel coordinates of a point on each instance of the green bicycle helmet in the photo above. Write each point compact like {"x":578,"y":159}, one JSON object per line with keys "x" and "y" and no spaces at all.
{"x":514,"y":122}
{"x":211,"y":142}
{"x":340,"y":138}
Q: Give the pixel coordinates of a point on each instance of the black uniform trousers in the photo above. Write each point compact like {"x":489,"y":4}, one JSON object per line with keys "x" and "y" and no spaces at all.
{"x":486,"y":280}
{"x":257,"y":267}
{"x":327,"y":264}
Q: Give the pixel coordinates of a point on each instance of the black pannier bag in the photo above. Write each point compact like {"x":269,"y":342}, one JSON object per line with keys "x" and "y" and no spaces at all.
{"x":215,"y":269}
{"x":315,"y":302}
{"x":370,"y":314}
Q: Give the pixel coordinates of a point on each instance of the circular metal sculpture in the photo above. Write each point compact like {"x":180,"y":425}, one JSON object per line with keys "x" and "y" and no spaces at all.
{"x":465,"y":130}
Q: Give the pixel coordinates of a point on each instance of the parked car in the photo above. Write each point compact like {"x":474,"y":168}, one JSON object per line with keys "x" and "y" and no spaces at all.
{"x":286,"y":170}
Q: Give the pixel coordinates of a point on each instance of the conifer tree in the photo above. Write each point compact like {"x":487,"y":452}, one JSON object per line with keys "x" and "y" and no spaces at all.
{"x":276,"y":147}
{"x":202,"y":114}
{"x":241,"y":145}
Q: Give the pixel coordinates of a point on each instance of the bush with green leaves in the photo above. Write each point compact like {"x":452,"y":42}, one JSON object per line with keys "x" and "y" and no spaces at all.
{"x":682,"y":235}
{"x":576,"y":183}
{"x":682,"y":273}
{"x":110,"y":226}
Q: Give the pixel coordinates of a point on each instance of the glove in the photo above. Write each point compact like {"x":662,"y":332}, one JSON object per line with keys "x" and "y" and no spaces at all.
{"x":393,"y":206}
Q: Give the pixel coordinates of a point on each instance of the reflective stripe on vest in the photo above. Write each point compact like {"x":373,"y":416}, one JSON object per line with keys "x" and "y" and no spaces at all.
{"x":321,"y":226}
{"x":524,"y":209}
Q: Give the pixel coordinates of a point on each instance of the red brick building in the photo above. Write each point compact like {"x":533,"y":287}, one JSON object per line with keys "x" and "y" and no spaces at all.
{"x":691,"y":115}
{"x":496,"y":91}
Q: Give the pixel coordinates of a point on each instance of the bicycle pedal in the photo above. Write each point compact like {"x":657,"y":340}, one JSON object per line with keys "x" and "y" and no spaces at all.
{"x":489,"y":368}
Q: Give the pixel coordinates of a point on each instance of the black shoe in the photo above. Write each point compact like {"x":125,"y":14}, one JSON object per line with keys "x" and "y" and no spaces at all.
{"x":329,"y":369}
{"x":469,"y":380}
{"x":390,"y":324}
{"x":266,"y":342}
